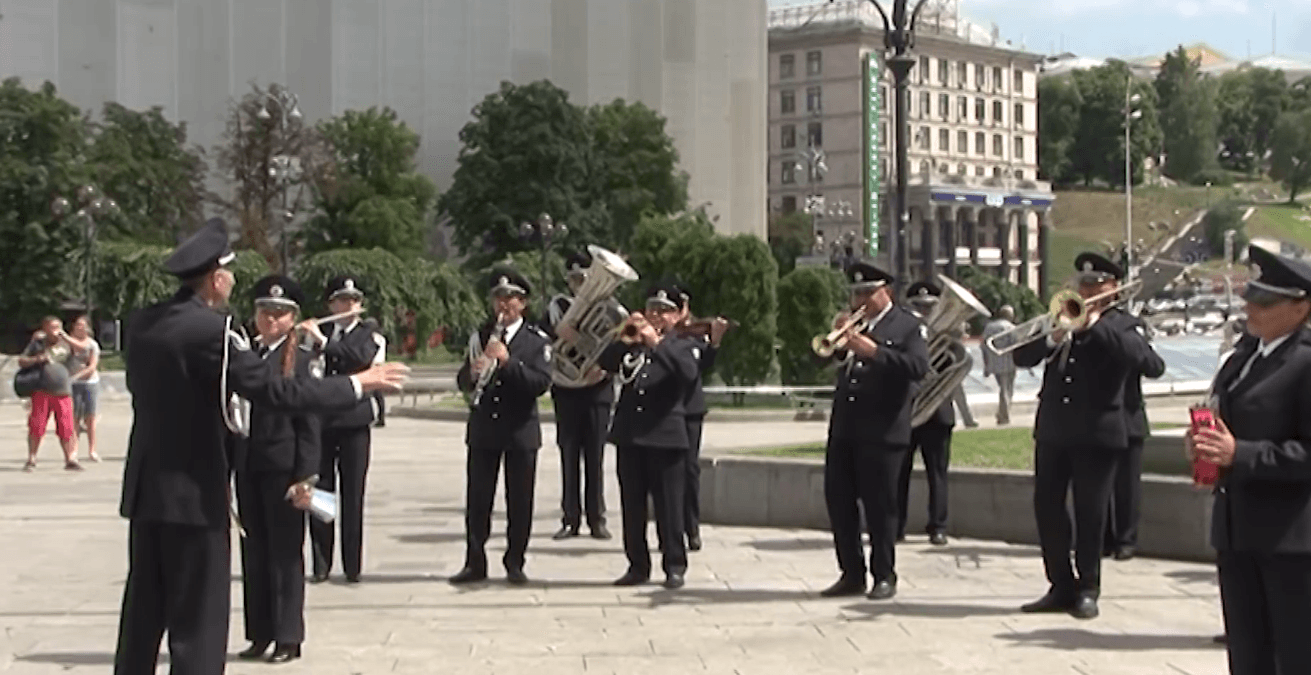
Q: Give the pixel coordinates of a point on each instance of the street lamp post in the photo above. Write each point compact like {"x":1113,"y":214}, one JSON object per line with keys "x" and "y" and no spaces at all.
{"x":90,"y":204}
{"x":899,"y":38}
{"x":814,"y":164}
{"x":545,"y":230}
{"x":284,"y":169}
{"x":1130,"y":114}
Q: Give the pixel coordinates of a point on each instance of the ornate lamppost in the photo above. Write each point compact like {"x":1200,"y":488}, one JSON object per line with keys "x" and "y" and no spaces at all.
{"x":283,"y":169}
{"x":89,"y":204}
{"x":545,"y":231}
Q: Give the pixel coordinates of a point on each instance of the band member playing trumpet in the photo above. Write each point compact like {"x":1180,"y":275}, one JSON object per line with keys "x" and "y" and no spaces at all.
{"x":932,"y":439}
{"x":656,"y":368}
{"x":276,"y":468}
{"x":350,"y":348}
{"x":880,"y":360}
{"x":508,"y":373}
{"x":582,"y":417}
{"x":1081,"y":432}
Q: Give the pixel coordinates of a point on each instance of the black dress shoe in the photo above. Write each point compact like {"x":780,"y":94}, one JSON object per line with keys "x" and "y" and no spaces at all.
{"x":318,"y":577}
{"x":1085,"y":607}
{"x":674,"y":580}
{"x":352,"y":578}
{"x":565,"y":532}
{"x":468,"y":575}
{"x":1051,"y":603}
{"x":1221,"y":639}
{"x":883,"y":590}
{"x":632,"y":578}
{"x":599,"y":532}
{"x":255,"y":650}
{"x":1126,"y":553}
{"x":844,"y":586}
{"x":938,"y":539}
{"x":516,"y":576}
{"x":284,"y":653}
{"x":694,"y":542}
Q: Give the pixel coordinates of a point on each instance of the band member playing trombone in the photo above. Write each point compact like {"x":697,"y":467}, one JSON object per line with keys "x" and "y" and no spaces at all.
{"x":351,"y":348}
{"x":932,"y":439}
{"x":882,"y":354}
{"x":582,"y":418}
{"x":1081,"y":430}
{"x":509,"y":368}
{"x":656,"y":367}
{"x":279,"y":463}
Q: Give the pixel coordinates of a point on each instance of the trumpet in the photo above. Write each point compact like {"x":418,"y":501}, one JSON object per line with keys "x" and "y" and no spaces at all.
{"x":825,"y":345}
{"x":631,"y":329}
{"x":700,"y":327}
{"x":1067,"y":312}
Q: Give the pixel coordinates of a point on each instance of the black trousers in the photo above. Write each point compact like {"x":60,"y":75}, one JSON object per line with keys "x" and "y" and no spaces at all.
{"x":1267,"y":611}
{"x":581,"y":423}
{"x":866,"y":474}
{"x":481,"y":470}
{"x":1090,"y":471}
{"x":272,"y":559}
{"x":343,"y":468}
{"x":934,"y":443}
{"x":178,"y":581}
{"x":661,"y":473}
{"x":692,"y":488}
{"x":1126,"y":495}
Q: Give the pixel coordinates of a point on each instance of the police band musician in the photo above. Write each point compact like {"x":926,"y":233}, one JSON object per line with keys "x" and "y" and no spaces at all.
{"x":1081,"y":432}
{"x":655,"y":368}
{"x":351,"y":346}
{"x":884,"y":356}
{"x":582,"y":418}
{"x":184,"y":361}
{"x":932,"y":439}
{"x":508,"y":369}
{"x":1261,"y":517}
{"x":278,"y":463}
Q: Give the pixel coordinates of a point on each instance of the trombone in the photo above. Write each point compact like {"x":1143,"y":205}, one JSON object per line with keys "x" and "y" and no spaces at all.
{"x":1067,"y":312}
{"x":825,"y":345}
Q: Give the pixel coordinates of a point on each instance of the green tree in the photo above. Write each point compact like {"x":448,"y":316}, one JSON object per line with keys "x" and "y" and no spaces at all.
{"x":790,"y":236}
{"x":143,"y":161}
{"x":1059,"y":104}
{"x":662,"y":246}
{"x":993,"y":293}
{"x":808,"y":299}
{"x":1225,"y":216}
{"x":1250,"y":102}
{"x":1299,"y":95}
{"x":370,"y":195}
{"x":1098,"y":153}
{"x":634,"y":165}
{"x":526,"y":152}
{"x":1188,"y":117}
{"x":1290,"y":159}
{"x":736,"y":277}
{"x":529,"y":264}
{"x":42,"y":147}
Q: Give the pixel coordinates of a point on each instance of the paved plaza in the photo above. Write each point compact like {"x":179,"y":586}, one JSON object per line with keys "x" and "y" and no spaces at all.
{"x":751,"y":604}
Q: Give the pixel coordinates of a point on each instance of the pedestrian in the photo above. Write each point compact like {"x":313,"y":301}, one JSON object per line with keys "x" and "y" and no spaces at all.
{"x":50,"y":350}
{"x":958,"y":394}
{"x":84,"y":363}
{"x":1000,"y":367}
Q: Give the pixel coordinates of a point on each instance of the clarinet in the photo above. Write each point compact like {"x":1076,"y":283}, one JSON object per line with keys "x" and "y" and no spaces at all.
{"x":485,"y":377}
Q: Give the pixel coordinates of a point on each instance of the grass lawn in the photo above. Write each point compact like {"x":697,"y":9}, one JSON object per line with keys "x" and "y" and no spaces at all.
{"x":1009,"y":448}
{"x":1284,"y":222}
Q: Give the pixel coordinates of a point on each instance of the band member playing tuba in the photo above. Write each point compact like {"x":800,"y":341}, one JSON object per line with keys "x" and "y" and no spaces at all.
{"x":582,"y":417}
{"x":869,"y":434}
{"x":656,"y":367}
{"x":932,"y":439}
{"x":1081,"y":433}
{"x":1126,"y":491}
{"x":514,"y":370}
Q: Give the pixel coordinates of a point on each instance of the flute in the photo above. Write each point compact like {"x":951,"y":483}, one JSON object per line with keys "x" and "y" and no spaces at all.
{"x":344,"y":315}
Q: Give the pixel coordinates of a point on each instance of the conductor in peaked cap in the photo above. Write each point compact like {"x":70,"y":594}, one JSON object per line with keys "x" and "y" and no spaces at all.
{"x":175,"y":481}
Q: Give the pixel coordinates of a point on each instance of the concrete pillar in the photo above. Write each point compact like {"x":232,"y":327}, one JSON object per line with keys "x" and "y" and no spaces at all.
{"x":929,"y":225}
{"x":1023,"y":234}
{"x":1004,"y":241}
{"x":1044,"y":254}
{"x":972,"y":234}
{"x":950,"y":227}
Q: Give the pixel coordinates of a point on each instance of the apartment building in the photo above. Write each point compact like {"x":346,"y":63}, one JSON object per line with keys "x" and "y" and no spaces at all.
{"x":974,"y":196}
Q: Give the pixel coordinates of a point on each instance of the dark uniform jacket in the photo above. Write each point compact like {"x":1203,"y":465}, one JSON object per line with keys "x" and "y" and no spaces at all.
{"x":506,"y":416}
{"x":1081,"y":402}
{"x":652,"y":407}
{"x":354,"y":352}
{"x":872,"y":401}
{"x":705,"y":354}
{"x":282,"y":442}
{"x":1134,"y":410}
{"x":1263,"y":502}
{"x":178,"y":468}
{"x":601,"y":393}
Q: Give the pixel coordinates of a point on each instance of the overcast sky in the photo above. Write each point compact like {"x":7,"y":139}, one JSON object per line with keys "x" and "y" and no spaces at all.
{"x":1127,"y":28}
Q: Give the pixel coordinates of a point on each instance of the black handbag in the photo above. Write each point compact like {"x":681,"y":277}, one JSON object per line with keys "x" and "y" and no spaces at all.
{"x":27,"y":380}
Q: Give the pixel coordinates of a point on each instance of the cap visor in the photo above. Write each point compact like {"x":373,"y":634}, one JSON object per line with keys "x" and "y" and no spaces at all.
{"x":276,"y":303}
{"x":1265,"y":295}
{"x":226,"y":259}
{"x":655,"y":303}
{"x":508,"y":290}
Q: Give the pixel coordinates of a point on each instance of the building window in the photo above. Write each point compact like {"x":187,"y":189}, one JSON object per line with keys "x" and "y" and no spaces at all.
{"x":924,"y":167}
{"x":980,"y":110}
{"x":1019,"y":148}
{"x":944,"y":106}
{"x":996,"y":79}
{"x":998,"y":145}
{"x":963,"y":143}
{"x":978,"y":171}
{"x":960,"y":169}
{"x":926,"y":104}
{"x":815,"y":134}
{"x":787,"y":101}
{"x":883,"y":135}
{"x":789,"y":204}
{"x":925,"y":137}
{"x":962,"y":109}
{"x":788,"y":136}
{"x":1019,"y":175}
{"x":922,"y":73}
{"x":1019,"y":82}
{"x":980,"y":76}
{"x":813,"y":101}
{"x":996,"y":172}
{"x":787,"y":67}
{"x":814,"y":64}
{"x":942,"y":168}
{"x":883,"y":98}
{"x":789,"y":174}
{"x":944,"y":72}
{"x":997,"y":112}
{"x":944,"y":140}
{"x":980,"y":141}
{"x":883,"y":168}
{"x":1019,"y":115}
{"x":962,"y":74}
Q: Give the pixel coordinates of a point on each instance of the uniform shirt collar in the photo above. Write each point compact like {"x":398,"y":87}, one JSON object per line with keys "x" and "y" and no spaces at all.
{"x":1268,"y":348}
{"x":879,"y":317}
{"x":273,"y":347}
{"x":512,"y":329}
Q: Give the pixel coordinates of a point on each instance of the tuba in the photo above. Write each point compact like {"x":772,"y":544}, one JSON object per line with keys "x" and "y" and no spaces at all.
{"x":595,"y":315}
{"x":949,"y":361}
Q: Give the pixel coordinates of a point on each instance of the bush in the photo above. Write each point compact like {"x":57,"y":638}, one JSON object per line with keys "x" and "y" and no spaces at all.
{"x":993,"y":293}
{"x":1216,"y":176}
{"x":1228,"y":215}
{"x":808,"y":299}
